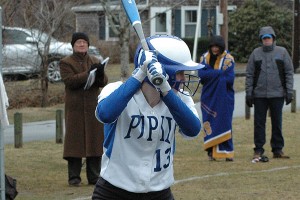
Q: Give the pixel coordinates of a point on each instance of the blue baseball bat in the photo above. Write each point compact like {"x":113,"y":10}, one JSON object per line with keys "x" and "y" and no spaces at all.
{"x":135,"y":20}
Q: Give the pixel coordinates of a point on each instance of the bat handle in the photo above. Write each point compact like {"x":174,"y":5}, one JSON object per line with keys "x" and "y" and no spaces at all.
{"x":157,"y":79}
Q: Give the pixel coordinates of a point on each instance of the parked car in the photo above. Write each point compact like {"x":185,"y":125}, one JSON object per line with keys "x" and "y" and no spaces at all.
{"x":21,"y":56}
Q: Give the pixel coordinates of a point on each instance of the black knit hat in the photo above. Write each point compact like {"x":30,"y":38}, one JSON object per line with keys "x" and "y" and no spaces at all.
{"x":218,"y":41}
{"x":79,"y":35}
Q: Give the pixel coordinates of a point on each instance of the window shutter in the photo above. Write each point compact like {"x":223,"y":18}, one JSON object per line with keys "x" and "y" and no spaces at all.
{"x":177,"y":23}
{"x":204,"y":28}
{"x":102,"y":27}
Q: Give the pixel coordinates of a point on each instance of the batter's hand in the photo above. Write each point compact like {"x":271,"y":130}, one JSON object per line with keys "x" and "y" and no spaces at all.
{"x":147,"y":57}
{"x":140,"y":72}
{"x":155,"y":69}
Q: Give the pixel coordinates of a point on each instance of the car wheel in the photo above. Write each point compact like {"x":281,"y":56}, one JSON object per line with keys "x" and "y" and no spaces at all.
{"x":54,"y":71}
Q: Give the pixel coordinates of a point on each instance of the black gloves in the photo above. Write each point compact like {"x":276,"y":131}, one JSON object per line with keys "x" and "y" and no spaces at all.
{"x":289,"y":98}
{"x":93,"y":66}
{"x":249,"y":100}
{"x":99,"y":71}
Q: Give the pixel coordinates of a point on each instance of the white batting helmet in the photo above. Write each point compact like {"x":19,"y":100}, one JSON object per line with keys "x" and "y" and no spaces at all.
{"x":174,"y":56}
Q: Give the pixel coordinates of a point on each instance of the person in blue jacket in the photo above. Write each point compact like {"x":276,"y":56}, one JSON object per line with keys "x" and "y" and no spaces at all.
{"x":217,"y":99}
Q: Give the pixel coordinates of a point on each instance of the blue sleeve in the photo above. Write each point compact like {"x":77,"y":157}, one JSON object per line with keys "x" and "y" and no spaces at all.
{"x":186,"y":120}
{"x":110,"y":108}
{"x":230,"y":75}
{"x":208,"y":74}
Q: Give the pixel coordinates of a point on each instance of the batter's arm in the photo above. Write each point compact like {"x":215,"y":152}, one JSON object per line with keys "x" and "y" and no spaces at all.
{"x":187,"y":121}
{"x":111,"y":107}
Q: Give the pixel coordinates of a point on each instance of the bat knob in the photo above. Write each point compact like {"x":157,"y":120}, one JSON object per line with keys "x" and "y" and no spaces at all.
{"x":157,"y":80}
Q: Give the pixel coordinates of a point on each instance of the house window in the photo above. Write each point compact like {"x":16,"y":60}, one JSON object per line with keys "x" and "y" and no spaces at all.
{"x":189,"y":21}
{"x":110,"y":34}
{"x":160,"y":20}
{"x":106,"y":27}
{"x":141,"y":2}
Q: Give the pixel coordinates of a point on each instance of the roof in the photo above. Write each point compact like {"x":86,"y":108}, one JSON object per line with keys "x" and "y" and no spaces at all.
{"x":98,"y":7}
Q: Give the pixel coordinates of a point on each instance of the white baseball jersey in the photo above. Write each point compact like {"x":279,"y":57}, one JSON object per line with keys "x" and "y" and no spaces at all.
{"x":139,"y":143}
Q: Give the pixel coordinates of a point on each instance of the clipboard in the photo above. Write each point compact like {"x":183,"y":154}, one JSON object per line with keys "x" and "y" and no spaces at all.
{"x":92,"y":75}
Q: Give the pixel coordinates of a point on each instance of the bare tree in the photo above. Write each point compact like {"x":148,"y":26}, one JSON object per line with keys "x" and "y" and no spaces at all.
{"x":10,"y":11}
{"x":121,"y":27}
{"x":48,"y":17}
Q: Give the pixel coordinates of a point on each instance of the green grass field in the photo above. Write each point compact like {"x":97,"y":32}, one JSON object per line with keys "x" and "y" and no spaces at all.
{"x":41,"y":172}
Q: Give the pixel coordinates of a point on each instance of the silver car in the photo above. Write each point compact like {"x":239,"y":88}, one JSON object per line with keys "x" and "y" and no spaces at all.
{"x":21,"y":48}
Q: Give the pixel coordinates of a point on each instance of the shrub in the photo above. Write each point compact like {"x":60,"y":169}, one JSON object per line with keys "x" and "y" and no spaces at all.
{"x":244,"y":25}
{"x":203,"y":43}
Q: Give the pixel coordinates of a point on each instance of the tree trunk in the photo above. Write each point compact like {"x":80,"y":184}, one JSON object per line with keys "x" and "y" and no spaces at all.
{"x":124,"y":45}
{"x":44,"y":84}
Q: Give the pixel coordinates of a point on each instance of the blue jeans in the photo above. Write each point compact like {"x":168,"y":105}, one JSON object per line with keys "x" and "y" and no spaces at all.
{"x":261,"y":106}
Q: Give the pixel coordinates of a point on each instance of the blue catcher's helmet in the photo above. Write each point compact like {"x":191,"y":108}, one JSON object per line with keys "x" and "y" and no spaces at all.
{"x":174,"y":56}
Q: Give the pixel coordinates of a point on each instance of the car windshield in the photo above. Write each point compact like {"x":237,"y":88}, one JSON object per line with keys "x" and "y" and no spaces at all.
{"x":42,"y":37}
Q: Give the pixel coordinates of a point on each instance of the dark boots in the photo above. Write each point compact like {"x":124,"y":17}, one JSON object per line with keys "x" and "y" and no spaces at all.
{"x":92,"y":170}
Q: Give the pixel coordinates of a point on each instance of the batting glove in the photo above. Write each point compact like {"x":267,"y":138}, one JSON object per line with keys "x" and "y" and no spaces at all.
{"x":140,"y":72}
{"x":148,"y":57}
{"x":155,"y":70}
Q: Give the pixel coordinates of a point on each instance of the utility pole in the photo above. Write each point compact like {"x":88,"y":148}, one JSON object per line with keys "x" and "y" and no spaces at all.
{"x":2,"y":170}
{"x":198,"y":29}
{"x":296,"y":36}
{"x":224,"y":26}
